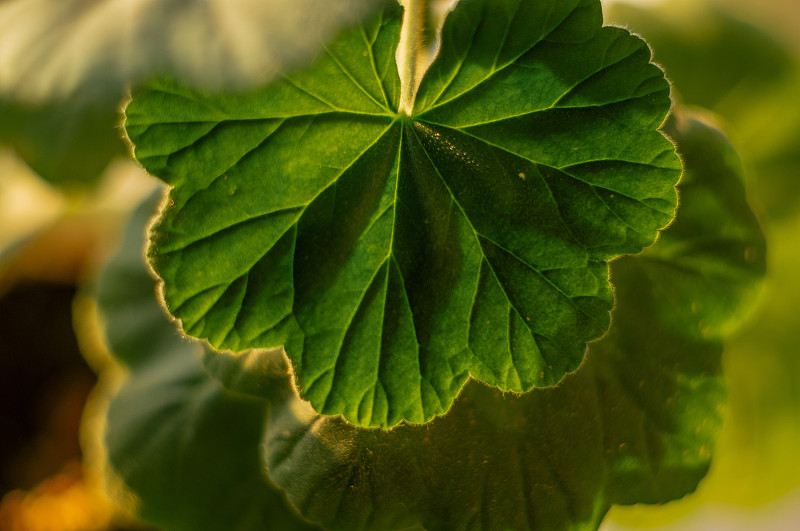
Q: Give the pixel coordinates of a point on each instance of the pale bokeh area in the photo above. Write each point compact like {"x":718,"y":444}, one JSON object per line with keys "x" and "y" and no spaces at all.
{"x":61,"y":49}
{"x":780,"y":515}
{"x":26,"y":203}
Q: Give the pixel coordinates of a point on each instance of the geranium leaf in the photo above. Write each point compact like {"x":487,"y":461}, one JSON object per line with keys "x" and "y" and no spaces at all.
{"x":392,"y":255}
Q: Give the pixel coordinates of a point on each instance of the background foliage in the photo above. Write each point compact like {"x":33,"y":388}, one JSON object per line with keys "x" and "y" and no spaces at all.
{"x":53,"y":237}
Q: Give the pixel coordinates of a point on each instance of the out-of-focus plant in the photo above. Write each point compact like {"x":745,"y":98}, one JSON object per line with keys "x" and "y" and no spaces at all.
{"x":636,"y":423}
{"x":440,"y":194}
{"x":755,"y":462}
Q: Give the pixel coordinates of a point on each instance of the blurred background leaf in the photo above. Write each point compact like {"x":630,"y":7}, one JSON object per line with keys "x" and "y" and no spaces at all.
{"x":635,"y":424}
{"x":69,"y":142}
{"x":65,"y":65}
{"x":186,"y":450}
{"x":754,"y":481}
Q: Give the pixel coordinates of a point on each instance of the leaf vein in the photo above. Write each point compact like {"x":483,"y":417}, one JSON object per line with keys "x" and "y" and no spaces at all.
{"x":370,"y":46}
{"x":350,"y":76}
{"x":492,"y":72}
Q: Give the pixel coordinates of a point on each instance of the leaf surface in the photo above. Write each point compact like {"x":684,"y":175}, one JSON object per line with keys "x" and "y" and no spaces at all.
{"x":394,"y":256}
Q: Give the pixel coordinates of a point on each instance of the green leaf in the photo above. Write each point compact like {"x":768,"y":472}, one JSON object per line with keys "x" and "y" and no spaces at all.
{"x":635,"y":424}
{"x":186,"y":448}
{"x":394,"y":256}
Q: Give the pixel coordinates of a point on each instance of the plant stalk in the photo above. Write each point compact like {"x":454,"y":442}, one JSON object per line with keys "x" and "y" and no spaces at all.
{"x":420,"y":42}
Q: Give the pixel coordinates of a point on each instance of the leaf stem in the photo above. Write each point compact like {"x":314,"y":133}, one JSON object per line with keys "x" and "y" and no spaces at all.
{"x":420,"y":42}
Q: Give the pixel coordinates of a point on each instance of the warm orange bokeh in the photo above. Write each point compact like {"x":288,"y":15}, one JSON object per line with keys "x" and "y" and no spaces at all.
{"x":63,"y":502}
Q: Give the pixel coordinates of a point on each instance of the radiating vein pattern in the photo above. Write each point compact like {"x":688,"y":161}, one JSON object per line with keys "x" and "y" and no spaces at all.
{"x":393,"y":257}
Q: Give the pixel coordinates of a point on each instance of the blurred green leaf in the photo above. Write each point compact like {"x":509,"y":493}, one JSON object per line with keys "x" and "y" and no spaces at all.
{"x":636,"y":424}
{"x":707,"y":52}
{"x":708,"y":266}
{"x":183,"y":445}
{"x":471,"y":238}
{"x":69,"y":142}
